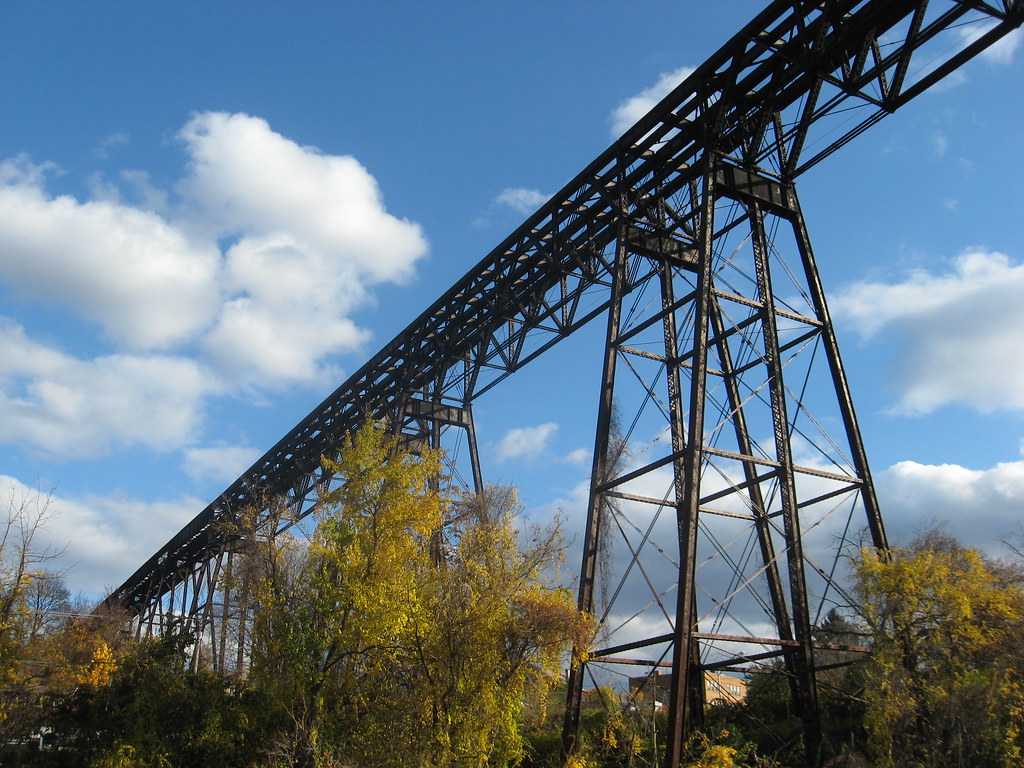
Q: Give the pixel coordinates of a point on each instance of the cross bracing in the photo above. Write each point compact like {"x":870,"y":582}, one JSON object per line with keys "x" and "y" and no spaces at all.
{"x":686,"y":235}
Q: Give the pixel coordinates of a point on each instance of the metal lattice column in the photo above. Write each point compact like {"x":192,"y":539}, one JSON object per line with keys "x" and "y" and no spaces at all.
{"x":713,"y":540}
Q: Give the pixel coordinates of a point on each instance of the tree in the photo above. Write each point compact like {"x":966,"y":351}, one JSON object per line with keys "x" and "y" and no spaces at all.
{"x":332,"y":608}
{"x":944,"y":686}
{"x":146,"y":708}
{"x":22,"y":569}
{"x":488,"y":633}
{"x":20,"y":557}
{"x":47,"y":602}
{"x":406,"y":628}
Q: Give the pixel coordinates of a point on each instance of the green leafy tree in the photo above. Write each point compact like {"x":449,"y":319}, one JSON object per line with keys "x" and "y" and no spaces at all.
{"x":148,"y":709}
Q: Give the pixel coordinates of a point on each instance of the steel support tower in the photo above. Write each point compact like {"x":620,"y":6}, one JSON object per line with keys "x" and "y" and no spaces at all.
{"x":728,"y":466}
{"x":719,"y":537}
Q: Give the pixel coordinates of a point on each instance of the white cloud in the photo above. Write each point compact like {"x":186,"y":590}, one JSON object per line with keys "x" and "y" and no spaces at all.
{"x":315,"y":235}
{"x":978,"y":507}
{"x":113,"y":140}
{"x":70,"y":408}
{"x":579,"y":456}
{"x":1002,"y":51}
{"x":957,"y":332}
{"x":524,"y":201}
{"x":289,"y":311}
{"x":252,"y":181}
{"x":249,"y":270}
{"x":635,"y":107}
{"x":125,"y":269}
{"x":152,"y":198}
{"x":222,"y":463}
{"x":104,"y":539}
{"x":526,"y":441}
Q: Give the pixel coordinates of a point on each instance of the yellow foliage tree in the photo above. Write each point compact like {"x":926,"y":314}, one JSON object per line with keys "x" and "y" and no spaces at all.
{"x":100,"y":668}
{"x":944,"y":685}
{"x":488,"y":631}
{"x":406,"y":628}
{"x":332,"y":608}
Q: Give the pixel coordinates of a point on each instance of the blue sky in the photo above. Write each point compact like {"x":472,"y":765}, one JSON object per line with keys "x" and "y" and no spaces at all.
{"x":210,"y":213}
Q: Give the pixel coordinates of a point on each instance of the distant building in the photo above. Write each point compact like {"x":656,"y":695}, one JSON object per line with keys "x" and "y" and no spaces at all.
{"x":718,"y":688}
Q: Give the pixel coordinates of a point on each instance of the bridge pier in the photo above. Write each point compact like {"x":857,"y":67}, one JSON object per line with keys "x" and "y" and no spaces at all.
{"x":722,"y":385}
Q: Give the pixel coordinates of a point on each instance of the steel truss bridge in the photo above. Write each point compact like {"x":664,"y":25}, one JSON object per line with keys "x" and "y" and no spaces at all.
{"x":728,"y":466}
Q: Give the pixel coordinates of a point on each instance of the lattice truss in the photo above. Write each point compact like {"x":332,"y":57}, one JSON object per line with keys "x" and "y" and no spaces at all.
{"x":742,"y":465}
{"x":730,"y":475}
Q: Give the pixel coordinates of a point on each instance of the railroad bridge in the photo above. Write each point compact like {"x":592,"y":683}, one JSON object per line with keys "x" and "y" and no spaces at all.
{"x":715,"y":547}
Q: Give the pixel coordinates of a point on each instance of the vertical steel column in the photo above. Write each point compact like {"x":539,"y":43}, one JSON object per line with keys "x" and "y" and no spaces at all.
{"x":762,"y":524}
{"x":683,"y":649}
{"x":467,"y":406}
{"x":227,"y":594}
{"x":690,"y":685}
{"x":801,"y":660}
{"x":243,"y":617}
{"x":599,"y":471}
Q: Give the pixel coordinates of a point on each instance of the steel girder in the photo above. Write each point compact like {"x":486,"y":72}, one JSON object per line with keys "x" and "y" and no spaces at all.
{"x":794,"y":85}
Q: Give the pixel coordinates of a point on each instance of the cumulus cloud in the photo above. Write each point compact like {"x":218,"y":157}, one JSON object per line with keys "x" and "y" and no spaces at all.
{"x":956,"y":332}
{"x":127,"y":270}
{"x":244,"y":276}
{"x":249,"y":180}
{"x":70,"y":408}
{"x":151,"y":197}
{"x":103,"y":539}
{"x":313,"y":235}
{"x":289,"y":311}
{"x":978,"y":507}
{"x":635,"y":107}
{"x":526,"y":441}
